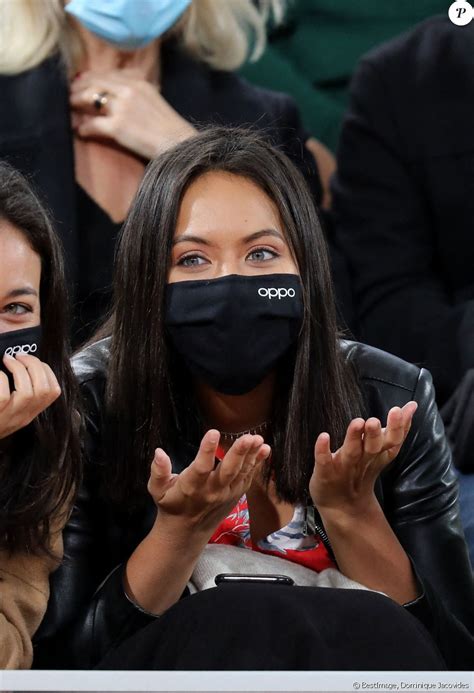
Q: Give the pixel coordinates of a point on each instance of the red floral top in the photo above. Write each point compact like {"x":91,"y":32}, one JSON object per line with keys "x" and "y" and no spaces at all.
{"x":291,"y":542}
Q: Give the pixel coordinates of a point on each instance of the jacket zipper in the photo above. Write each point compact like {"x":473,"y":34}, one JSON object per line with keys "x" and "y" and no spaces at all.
{"x":313,"y":526}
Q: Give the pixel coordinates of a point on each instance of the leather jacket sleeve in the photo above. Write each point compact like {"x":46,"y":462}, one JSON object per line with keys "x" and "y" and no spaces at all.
{"x":421,"y":503}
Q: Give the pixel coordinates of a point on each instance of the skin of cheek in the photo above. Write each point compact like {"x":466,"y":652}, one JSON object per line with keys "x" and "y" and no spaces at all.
{"x":20,"y":268}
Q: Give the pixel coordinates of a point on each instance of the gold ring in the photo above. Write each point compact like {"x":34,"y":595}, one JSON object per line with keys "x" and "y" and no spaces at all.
{"x":99,"y":100}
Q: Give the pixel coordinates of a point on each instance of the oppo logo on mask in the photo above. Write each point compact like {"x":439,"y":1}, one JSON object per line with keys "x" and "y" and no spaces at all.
{"x":276,"y":293}
{"x":21,"y":349}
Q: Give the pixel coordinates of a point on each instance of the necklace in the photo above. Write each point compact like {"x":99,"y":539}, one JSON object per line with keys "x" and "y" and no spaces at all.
{"x":258,"y":430}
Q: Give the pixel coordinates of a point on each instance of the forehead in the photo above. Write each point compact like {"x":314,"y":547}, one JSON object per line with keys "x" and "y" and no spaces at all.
{"x":18,"y":261}
{"x":223,"y":202}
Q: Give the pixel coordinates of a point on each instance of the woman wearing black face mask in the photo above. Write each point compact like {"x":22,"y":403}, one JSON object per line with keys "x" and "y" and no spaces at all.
{"x":39,"y":458}
{"x":224,"y":345}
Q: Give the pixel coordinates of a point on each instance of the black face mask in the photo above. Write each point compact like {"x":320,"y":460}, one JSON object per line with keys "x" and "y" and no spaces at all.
{"x":25,"y":341}
{"x":232,"y":331}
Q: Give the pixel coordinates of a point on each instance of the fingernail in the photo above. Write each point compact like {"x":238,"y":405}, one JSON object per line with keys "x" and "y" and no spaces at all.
{"x":214,"y":437}
{"x":8,"y":356}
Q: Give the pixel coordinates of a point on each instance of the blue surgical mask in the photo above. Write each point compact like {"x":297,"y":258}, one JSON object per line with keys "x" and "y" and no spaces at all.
{"x":128,"y":24}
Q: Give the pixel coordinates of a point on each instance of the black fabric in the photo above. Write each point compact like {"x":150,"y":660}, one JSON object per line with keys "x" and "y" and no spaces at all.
{"x":451,"y":636}
{"x":270,"y":627}
{"x":232,"y":331}
{"x":403,"y":198}
{"x":35,"y":136}
{"x":88,"y":611}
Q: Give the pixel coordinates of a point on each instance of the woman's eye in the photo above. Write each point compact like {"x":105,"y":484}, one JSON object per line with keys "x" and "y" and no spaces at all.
{"x":261,"y":255}
{"x":17,"y":309}
{"x":191,"y":261}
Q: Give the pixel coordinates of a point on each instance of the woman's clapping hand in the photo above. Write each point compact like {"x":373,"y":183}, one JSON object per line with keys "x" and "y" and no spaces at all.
{"x":36,"y":388}
{"x":190,"y":506}
{"x":203,"y":494}
{"x":343,"y":481}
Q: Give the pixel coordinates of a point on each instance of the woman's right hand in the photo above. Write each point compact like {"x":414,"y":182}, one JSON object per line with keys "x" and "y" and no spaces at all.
{"x":190,"y":507}
{"x":36,"y":388}
{"x":203,"y":494}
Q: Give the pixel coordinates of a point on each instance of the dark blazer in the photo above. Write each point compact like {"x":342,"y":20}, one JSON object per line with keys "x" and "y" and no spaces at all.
{"x":403,"y":198}
{"x":36,"y":137}
{"x":89,"y":613}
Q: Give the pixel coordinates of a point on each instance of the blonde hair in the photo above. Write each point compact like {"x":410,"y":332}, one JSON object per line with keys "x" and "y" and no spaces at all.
{"x":222,"y":33}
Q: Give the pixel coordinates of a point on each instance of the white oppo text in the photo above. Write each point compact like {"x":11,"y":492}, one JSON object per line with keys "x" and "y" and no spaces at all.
{"x":276,"y":293}
{"x":21,"y":349}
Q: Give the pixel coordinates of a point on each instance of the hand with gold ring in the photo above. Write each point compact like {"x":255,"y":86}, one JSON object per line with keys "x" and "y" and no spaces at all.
{"x":121,"y":106}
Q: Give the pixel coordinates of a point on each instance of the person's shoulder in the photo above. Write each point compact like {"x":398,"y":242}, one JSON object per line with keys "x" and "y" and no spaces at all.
{"x":91,"y":363}
{"x":186,"y":69}
{"x":380,"y":367}
{"x":423,"y":43}
{"x":277,"y":101}
{"x":207,"y":95}
{"x":254,"y":101}
{"x":50,"y":70}
{"x":414,"y":90}
{"x":37,"y":101}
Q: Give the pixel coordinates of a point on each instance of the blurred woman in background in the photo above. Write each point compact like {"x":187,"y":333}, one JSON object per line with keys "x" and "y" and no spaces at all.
{"x":39,"y":456}
{"x":92,"y":90}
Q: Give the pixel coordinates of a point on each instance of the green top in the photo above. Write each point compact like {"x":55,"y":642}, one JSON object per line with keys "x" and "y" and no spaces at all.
{"x":313,"y":54}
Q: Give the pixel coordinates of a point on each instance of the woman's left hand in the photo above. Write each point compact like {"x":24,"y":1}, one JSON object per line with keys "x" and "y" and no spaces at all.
{"x":343,"y":481}
{"x":135,"y":115}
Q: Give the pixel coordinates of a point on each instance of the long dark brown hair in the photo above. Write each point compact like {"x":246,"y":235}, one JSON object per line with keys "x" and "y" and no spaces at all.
{"x":40,"y":464}
{"x":149,"y":403}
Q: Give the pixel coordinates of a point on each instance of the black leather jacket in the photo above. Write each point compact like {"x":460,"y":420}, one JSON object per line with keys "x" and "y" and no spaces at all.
{"x":89,"y":613}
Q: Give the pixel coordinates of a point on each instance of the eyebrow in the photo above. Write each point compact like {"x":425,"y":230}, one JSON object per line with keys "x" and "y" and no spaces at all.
{"x":22,"y":291}
{"x":188,"y":237}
